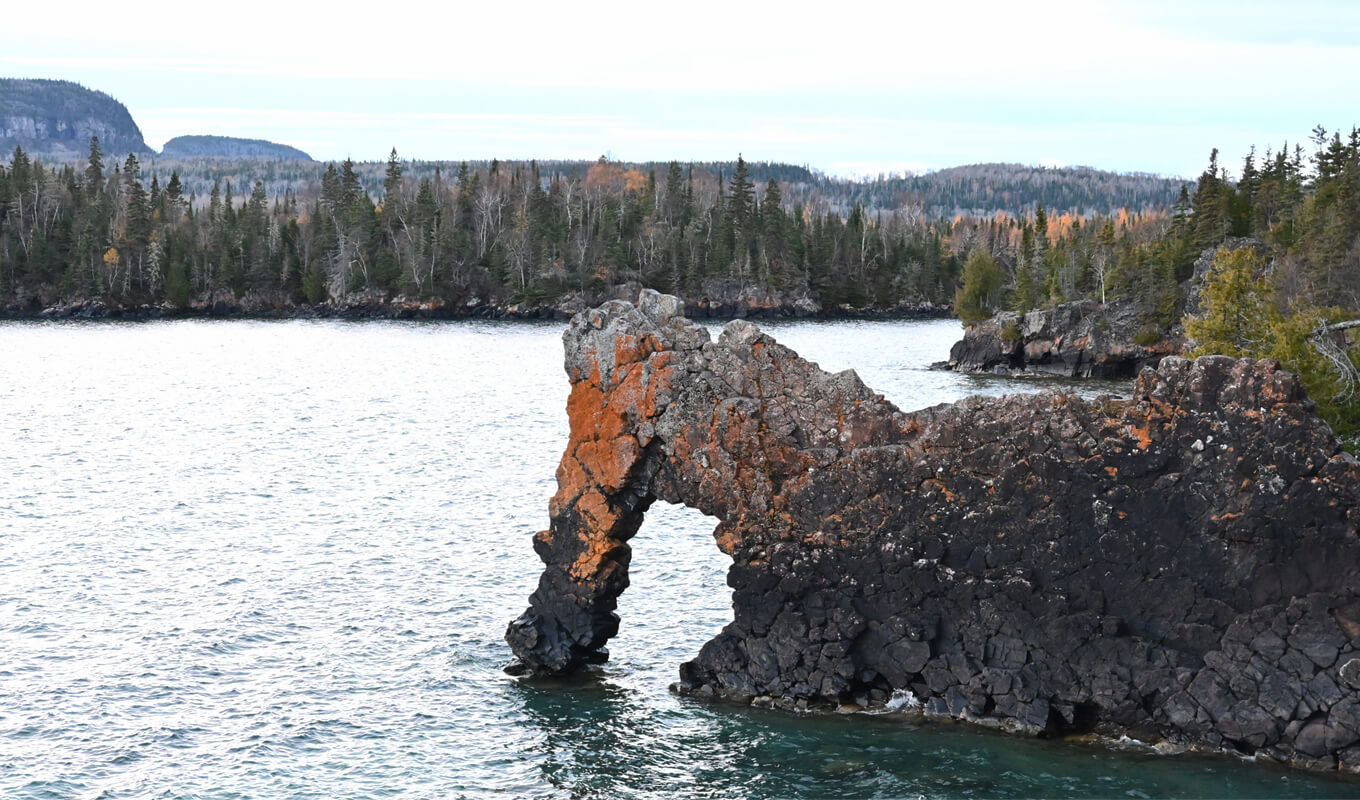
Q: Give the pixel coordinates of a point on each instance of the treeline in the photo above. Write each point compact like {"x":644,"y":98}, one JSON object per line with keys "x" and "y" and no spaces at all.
{"x":498,"y":234}
{"x":1304,"y":210}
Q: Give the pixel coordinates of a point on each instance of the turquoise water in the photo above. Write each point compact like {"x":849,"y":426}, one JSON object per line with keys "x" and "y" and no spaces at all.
{"x":259,"y":560}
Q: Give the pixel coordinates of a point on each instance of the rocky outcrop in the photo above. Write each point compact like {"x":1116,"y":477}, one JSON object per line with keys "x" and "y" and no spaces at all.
{"x":1181,"y":563}
{"x":1079,"y":340}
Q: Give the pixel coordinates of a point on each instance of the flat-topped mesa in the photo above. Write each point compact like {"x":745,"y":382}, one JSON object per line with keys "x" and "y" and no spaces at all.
{"x":1180,"y":563}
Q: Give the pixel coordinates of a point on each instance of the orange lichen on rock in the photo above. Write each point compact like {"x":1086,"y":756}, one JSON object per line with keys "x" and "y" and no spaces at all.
{"x":1044,"y":559}
{"x":1142,"y":435}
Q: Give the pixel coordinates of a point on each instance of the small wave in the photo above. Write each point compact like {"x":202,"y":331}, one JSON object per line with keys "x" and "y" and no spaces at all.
{"x":902,"y":699}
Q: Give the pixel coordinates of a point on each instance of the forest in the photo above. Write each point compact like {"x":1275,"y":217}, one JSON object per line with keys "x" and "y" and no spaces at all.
{"x":505,"y":233}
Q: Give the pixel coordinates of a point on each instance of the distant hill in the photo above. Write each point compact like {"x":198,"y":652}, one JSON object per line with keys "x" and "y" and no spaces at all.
{"x":977,"y":190}
{"x":981,"y":189}
{"x":230,"y":147}
{"x":57,"y":118}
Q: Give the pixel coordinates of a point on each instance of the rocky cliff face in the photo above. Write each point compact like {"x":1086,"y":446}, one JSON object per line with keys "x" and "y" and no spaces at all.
{"x":1180,"y":563}
{"x":1078,"y":340}
{"x":59,"y":117}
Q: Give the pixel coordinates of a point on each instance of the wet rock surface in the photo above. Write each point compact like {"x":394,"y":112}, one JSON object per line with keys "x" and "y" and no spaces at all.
{"x":1076,"y":340}
{"x":1178,"y":564}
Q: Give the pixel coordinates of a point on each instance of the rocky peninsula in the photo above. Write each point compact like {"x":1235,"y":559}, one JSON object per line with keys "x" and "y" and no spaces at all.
{"x":1180,"y":564}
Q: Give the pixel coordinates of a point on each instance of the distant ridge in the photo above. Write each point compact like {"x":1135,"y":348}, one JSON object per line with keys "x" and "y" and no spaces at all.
{"x":230,"y":147}
{"x":59,"y":117}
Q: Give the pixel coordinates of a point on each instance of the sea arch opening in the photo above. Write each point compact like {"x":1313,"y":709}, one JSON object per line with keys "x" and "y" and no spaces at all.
{"x":677,"y":597}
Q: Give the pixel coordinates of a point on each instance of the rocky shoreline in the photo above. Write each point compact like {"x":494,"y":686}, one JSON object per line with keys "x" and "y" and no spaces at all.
{"x":1075,"y":340}
{"x":721,"y":303}
{"x":1178,"y":566}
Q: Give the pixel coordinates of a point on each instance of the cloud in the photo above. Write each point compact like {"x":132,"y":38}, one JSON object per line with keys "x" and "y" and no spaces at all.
{"x":715,"y":45}
{"x":1149,"y":86}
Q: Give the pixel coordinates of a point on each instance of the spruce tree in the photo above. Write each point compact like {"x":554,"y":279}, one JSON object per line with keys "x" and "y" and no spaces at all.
{"x":1026,"y":280}
{"x":1211,"y":212}
{"x":772,"y":230}
{"x":741,"y":199}
{"x":675,"y":195}
{"x":392,"y":179}
{"x":94,"y":171}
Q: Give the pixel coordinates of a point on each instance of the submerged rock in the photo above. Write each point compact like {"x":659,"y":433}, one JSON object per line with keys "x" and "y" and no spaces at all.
{"x":1179,"y":564}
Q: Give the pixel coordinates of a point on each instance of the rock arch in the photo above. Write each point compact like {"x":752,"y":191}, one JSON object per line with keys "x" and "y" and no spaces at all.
{"x":1182,"y":562}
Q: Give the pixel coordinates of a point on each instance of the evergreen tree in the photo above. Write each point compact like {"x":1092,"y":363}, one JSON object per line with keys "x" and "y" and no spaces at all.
{"x":1211,"y":208}
{"x":773,"y":223}
{"x":741,"y":199}
{"x":94,"y":171}
{"x":1233,"y":318}
{"x":177,"y":289}
{"x":980,"y":295}
{"x":1026,"y":279}
{"x":392,"y":179}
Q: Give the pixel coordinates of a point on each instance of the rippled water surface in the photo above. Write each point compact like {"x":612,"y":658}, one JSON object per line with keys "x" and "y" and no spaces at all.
{"x":259,"y":560}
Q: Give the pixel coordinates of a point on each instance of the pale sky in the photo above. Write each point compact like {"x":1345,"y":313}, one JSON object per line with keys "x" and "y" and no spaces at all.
{"x":848,"y":88}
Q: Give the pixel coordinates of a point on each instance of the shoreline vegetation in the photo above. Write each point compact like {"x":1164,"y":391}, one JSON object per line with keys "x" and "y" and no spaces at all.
{"x":743,"y":238}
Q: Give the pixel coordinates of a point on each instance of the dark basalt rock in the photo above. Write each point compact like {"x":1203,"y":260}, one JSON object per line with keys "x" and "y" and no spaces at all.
{"x":1078,"y":340}
{"x":724,"y":301}
{"x":1182,"y":563}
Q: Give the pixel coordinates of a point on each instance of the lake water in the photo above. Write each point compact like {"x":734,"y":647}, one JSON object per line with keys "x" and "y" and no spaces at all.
{"x":277,"y":559}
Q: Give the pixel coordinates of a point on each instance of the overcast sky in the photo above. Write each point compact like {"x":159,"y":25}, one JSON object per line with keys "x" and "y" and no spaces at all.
{"x":848,"y":88}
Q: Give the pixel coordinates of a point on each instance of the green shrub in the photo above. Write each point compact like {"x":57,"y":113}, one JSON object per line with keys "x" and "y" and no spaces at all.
{"x":1147,"y":336}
